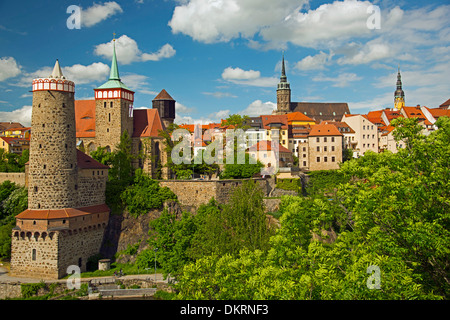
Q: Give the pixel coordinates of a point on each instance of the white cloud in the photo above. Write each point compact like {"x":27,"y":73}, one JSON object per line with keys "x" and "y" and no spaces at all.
{"x":340,"y":81}
{"x":371,"y":51}
{"x":257,"y":108}
{"x":22,"y":115}
{"x":8,"y":68}
{"x":222,"y":20}
{"x":323,"y":26}
{"x":127,"y":51}
{"x":166,"y":51}
{"x":239,"y":74}
{"x":81,"y":74}
{"x":181,"y":108}
{"x":316,"y":62}
{"x":77,"y":73}
{"x":219,"y":94}
{"x":99,"y":12}
{"x":250,"y":77}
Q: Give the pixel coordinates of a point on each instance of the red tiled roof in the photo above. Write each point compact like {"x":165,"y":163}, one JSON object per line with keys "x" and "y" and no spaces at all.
{"x":85,"y":118}
{"x":269,"y":119}
{"x":62,"y":213}
{"x":8,"y":125}
{"x":439,"y":112}
{"x":163,"y":95}
{"x":445,"y":104}
{"x":298,"y":116}
{"x":147,"y":123}
{"x":265,"y":145}
{"x":10,"y":140}
{"x":86,"y":162}
{"x":415,"y":112}
{"x":324,"y":129}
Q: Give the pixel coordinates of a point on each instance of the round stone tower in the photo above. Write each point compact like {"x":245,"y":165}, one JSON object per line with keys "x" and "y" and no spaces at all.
{"x":52,"y":182}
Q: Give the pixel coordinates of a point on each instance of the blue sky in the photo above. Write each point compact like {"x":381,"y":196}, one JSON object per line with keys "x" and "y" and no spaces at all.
{"x":220,"y":57}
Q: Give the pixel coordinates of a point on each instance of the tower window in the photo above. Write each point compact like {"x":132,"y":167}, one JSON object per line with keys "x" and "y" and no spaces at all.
{"x":104,"y":104}
{"x":111,"y":104}
{"x":109,"y":117}
{"x":35,"y":189}
{"x":33,"y":255}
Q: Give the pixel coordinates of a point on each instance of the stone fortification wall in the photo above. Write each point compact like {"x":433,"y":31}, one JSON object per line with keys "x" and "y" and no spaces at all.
{"x":193,"y":193}
{"x":91,"y":186}
{"x":16,"y":177}
{"x":48,"y":255}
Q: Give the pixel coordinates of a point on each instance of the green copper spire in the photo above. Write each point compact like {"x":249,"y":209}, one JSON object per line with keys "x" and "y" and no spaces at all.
{"x":114,"y":74}
{"x":114,"y":78}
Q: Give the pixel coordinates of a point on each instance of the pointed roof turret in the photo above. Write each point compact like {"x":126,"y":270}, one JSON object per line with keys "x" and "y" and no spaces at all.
{"x":399,"y":93}
{"x":57,"y":72}
{"x":283,"y":77}
{"x":284,"y":84}
{"x":114,"y":74}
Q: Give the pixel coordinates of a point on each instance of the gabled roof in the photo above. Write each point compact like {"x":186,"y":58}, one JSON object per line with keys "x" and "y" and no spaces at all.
{"x":265,"y":145}
{"x":146,"y":122}
{"x":298,"y":116}
{"x":10,"y":140}
{"x":85,"y":118}
{"x":268,"y":120}
{"x":321,"y":111}
{"x":8,"y":125}
{"x":341,"y":126}
{"x":445,"y":104}
{"x":86,"y":162}
{"x":324,"y":129}
{"x":439,"y":112}
{"x":416,"y":112}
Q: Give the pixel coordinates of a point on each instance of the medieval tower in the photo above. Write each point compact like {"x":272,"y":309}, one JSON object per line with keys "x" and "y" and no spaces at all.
{"x":283,"y":93}
{"x":52,"y":178}
{"x":66,"y":216}
{"x":113,"y":109}
{"x":165,"y":105}
{"x":399,"y":95}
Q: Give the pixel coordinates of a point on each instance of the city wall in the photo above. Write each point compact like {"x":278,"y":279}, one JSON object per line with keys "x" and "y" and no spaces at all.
{"x":16,"y":177}
{"x":193,"y":193}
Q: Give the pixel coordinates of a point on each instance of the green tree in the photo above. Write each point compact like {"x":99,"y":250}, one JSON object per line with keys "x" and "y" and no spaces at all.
{"x":145,"y":194}
{"x":389,"y":211}
{"x":237,"y":121}
{"x":242,"y":223}
{"x":171,"y":237}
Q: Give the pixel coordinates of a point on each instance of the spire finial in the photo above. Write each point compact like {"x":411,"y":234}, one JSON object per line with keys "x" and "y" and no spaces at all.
{"x":114,"y":36}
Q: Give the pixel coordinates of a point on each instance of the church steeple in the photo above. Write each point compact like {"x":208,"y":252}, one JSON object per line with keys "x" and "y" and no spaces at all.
{"x":114,"y":74}
{"x":283,"y":92}
{"x":399,"y":95}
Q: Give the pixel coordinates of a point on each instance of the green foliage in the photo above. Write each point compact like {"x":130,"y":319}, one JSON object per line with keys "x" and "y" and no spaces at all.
{"x":171,"y":237}
{"x":241,"y":171}
{"x":31,"y":289}
{"x":145,"y":194}
{"x":13,"y":200}
{"x":11,"y":162}
{"x":242,"y":223}
{"x":289,"y":184}
{"x":238,"y":121}
{"x":388,"y":210}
